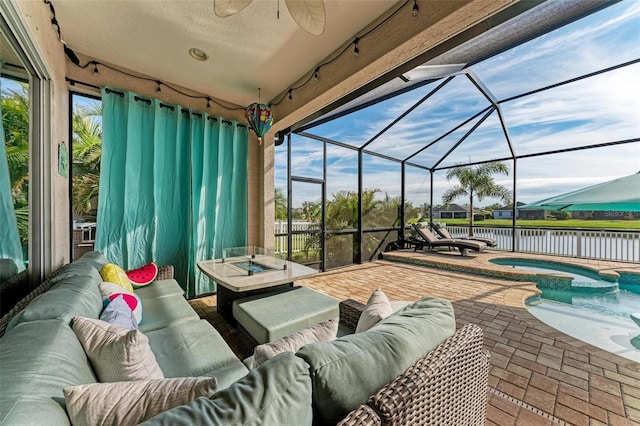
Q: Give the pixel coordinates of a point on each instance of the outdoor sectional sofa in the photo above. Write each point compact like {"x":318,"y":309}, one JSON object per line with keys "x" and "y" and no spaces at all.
{"x":411,"y":368}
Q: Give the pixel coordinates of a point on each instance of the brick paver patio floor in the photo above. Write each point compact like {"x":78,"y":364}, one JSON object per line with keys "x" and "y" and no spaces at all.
{"x":538,"y":375}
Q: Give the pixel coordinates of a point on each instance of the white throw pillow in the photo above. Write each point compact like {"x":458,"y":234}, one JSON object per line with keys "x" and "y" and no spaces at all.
{"x":323,"y":332}
{"x":396,"y":305}
{"x":116,"y":354}
{"x":377,"y":309}
{"x":130,"y":403}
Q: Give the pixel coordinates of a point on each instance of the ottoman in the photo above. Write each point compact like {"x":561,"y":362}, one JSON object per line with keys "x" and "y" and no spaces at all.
{"x":269,"y":316}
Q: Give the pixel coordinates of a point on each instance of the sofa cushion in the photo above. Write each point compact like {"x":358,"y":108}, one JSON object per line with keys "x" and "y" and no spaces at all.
{"x":37,"y":360}
{"x":276,"y":393}
{"x":159,"y":288}
{"x":347,"y":371}
{"x":195,"y":348}
{"x":8,"y":268}
{"x":130,"y":403}
{"x":116,"y":354}
{"x":322,"y":332}
{"x":162,"y":312}
{"x":77,"y":295}
{"x":82,"y":269}
{"x":378,"y":308}
{"x":94,"y":258}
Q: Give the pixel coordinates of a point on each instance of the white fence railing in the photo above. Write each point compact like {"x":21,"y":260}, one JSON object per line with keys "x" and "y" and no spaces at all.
{"x":612,"y":245}
{"x":582,"y":243}
{"x":86,"y":231}
{"x":298,"y":241}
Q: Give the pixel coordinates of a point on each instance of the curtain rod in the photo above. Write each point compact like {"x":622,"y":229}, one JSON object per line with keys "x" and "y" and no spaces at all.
{"x":9,"y":64}
{"x":74,"y":82}
{"x":171,"y":107}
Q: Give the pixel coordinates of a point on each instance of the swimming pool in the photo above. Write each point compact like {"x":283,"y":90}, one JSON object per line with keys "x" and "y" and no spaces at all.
{"x":596,"y":311}
{"x":581,"y":287}
{"x":562,"y":276}
{"x":583,"y":303}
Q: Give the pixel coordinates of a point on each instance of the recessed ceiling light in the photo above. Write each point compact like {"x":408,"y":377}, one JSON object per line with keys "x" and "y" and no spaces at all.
{"x":198,"y":54}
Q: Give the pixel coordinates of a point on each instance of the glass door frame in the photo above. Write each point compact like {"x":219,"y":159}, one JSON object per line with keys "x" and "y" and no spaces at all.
{"x":42,"y":255}
{"x":290,"y":179}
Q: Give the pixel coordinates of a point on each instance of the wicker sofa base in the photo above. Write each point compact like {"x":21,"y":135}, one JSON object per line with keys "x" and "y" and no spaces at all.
{"x":448,"y":386}
{"x":246,"y":342}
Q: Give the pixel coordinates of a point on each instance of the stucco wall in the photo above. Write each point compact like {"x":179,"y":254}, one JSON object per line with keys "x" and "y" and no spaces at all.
{"x":37,"y":19}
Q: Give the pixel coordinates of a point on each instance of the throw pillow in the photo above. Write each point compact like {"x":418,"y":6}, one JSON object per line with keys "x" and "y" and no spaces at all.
{"x":377,"y":309}
{"x":143,"y":276}
{"x":323,"y":332}
{"x":119,"y":313}
{"x":114,"y":274}
{"x":396,"y":305}
{"x":130,"y":403}
{"x":110,"y":291}
{"x":116,"y":354}
{"x":277,"y":393}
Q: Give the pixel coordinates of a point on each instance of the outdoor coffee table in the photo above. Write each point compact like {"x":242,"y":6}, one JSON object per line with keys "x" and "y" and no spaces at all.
{"x":245,"y":271}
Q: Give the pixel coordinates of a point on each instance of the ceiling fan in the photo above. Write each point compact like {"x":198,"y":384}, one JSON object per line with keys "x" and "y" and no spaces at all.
{"x":308,"y":14}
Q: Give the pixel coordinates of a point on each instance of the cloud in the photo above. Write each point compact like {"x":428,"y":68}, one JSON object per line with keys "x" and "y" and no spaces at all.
{"x":599,"y":109}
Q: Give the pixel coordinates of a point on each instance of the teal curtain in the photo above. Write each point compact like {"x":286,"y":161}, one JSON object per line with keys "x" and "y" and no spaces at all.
{"x":10,"y":246}
{"x":219,"y":188}
{"x":173,"y":186}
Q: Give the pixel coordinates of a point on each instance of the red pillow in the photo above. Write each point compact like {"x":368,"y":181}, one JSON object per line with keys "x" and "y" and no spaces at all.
{"x":143,"y":276}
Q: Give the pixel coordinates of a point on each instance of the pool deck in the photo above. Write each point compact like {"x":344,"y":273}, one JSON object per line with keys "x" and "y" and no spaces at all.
{"x":538,"y":375}
{"x":481,"y":263}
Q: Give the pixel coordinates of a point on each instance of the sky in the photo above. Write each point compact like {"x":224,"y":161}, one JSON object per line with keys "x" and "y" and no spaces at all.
{"x":600,"y":109}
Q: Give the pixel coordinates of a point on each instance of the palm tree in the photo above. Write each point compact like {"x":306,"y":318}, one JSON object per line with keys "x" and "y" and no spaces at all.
{"x":477,"y":182}
{"x":311,"y":211}
{"x":280,"y":202}
{"x":15,"y":120}
{"x":87,"y":151}
{"x":342,"y":213}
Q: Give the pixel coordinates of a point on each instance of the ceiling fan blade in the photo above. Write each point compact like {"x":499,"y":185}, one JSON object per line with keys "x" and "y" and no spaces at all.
{"x":224,"y":8}
{"x":308,"y":14}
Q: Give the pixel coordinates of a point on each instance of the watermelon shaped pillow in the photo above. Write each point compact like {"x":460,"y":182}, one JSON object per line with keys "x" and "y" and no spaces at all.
{"x":111,"y":291}
{"x":143,"y":276}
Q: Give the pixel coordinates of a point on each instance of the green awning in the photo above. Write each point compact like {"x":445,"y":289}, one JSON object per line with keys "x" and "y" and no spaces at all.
{"x":620,"y":195}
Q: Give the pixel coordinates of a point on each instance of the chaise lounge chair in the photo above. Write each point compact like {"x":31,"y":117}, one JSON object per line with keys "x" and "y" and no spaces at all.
{"x":431,"y":241}
{"x":444,"y":233}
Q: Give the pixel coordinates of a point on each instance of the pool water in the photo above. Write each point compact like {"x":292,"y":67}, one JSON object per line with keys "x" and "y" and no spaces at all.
{"x":586,"y":290}
{"x":616,"y":303}
{"x":576,"y":276}
{"x":581,"y":303}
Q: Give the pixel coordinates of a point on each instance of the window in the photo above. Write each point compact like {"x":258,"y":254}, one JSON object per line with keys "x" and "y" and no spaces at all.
{"x":86,"y":151}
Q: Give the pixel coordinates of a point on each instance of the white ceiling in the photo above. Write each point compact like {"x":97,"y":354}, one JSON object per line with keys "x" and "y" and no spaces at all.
{"x":249,"y":50}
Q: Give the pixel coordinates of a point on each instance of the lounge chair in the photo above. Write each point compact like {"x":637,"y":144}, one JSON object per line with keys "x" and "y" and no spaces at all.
{"x":444,"y":233}
{"x":431,"y":241}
